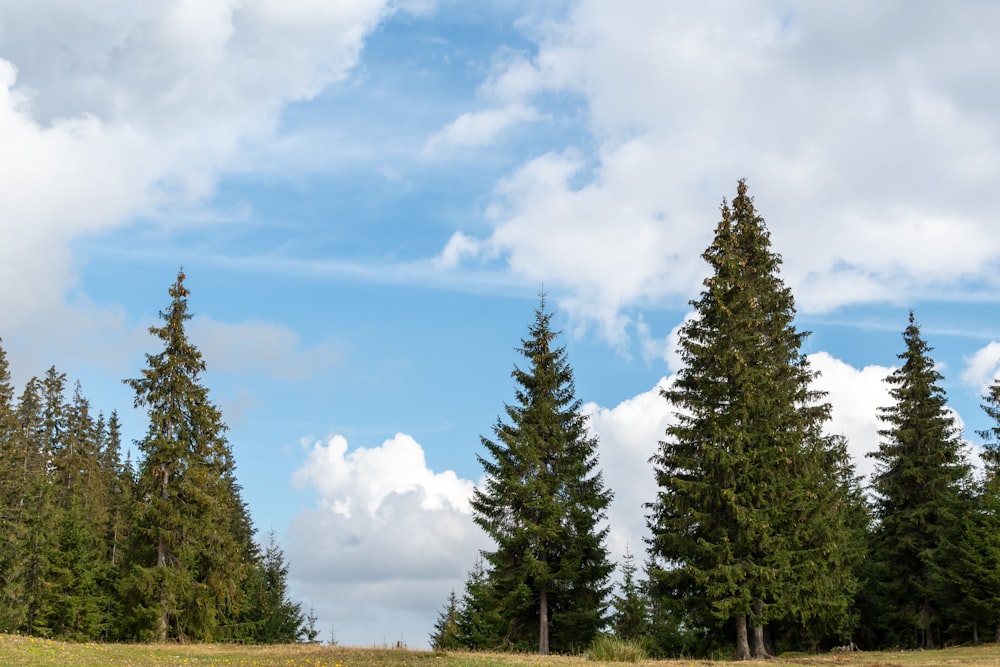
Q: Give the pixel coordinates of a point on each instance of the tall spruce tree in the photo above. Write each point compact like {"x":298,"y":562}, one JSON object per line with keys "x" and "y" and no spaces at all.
{"x":748,"y":527}
{"x":980,"y":560}
{"x":13,"y":493}
{"x":543,"y":503}
{"x":918,"y":480}
{"x":191,"y":536}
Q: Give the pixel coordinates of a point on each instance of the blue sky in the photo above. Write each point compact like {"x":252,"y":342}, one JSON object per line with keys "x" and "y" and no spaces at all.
{"x":367,"y":197}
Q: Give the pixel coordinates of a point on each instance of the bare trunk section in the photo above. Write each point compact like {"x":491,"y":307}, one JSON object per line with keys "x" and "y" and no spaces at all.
{"x":543,"y":622}
{"x":760,"y":651}
{"x":161,"y":560}
{"x":742,"y":645}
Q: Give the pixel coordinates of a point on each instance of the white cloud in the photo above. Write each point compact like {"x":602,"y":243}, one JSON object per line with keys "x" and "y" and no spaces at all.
{"x":477,"y":129}
{"x":982,"y":368}
{"x":129,"y":109}
{"x":388,"y":541}
{"x":869,"y":156}
{"x":628,"y":435}
{"x":856,"y":396}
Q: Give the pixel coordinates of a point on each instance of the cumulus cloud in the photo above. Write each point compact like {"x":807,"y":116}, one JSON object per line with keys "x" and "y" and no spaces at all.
{"x":869,"y":156}
{"x":628,"y":435}
{"x":856,"y":395}
{"x":387,"y":542}
{"x":133,"y":109}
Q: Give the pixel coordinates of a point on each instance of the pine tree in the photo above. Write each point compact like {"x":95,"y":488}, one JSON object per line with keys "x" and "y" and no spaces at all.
{"x":191,"y":536}
{"x":542,"y":503}
{"x":748,"y":525}
{"x":920,"y":471}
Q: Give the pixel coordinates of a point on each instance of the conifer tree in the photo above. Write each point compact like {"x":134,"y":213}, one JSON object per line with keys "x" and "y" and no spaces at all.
{"x":269,"y":616}
{"x":543,"y":503}
{"x":920,"y":472}
{"x":980,"y":559}
{"x":630,"y":615}
{"x":13,"y":493}
{"x":190,"y":539}
{"x":447,"y":634}
{"x":739,"y":529}
{"x":480,"y":625}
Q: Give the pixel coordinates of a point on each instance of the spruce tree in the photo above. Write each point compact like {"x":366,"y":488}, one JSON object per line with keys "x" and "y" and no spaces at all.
{"x":447,"y":635}
{"x":269,"y":615}
{"x":748,"y":527}
{"x":918,"y":480}
{"x":630,"y":615}
{"x":543,"y":502}
{"x":191,"y":536}
{"x":13,"y":493}
{"x":980,"y":559}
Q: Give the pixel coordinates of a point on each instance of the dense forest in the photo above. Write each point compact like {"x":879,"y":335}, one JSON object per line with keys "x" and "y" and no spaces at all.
{"x":762,"y":539}
{"x":95,"y":547}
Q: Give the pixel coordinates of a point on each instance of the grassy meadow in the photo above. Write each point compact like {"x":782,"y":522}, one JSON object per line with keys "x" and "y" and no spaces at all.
{"x":32,"y":652}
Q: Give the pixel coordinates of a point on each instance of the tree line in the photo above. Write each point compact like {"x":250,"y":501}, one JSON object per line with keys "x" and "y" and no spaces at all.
{"x":94,"y":546}
{"x":762,"y":538}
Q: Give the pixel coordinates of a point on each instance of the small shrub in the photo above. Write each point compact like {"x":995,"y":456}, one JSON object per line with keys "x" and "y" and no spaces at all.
{"x":608,"y":648}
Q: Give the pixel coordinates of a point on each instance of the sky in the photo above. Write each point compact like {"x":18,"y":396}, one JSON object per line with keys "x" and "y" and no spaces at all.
{"x":368,"y":196}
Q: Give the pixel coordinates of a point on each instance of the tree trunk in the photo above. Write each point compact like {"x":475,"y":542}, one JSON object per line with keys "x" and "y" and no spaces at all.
{"x":760,"y":651}
{"x":161,"y":561}
{"x":543,"y":622}
{"x":742,"y":646}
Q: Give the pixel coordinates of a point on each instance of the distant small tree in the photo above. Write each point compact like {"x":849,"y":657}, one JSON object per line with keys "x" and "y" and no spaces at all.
{"x":311,"y":632}
{"x":447,"y":635}
{"x":630,"y":608}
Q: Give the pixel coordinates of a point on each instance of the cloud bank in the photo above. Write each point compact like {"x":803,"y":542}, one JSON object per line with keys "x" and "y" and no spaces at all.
{"x":866,"y":134}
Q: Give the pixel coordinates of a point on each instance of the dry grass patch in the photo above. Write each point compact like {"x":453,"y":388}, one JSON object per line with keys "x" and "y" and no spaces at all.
{"x":32,"y":652}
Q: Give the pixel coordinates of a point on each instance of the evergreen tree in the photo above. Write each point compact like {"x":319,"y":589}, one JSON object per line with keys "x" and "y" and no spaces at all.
{"x":13,"y":494}
{"x":480,"y":625}
{"x":920,"y":471}
{"x":269,"y":617}
{"x":630,"y":615}
{"x":542,"y":503}
{"x":447,"y":635}
{"x":980,"y":560}
{"x":749,"y":525}
{"x":191,"y":534}
{"x":36,"y":541}
{"x":918,"y":480}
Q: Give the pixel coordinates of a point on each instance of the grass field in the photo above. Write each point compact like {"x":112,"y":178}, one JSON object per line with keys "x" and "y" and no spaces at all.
{"x":30,"y":652}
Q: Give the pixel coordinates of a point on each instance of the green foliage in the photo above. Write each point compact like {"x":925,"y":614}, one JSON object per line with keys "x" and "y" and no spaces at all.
{"x":608,"y":648}
{"x":191,"y":542}
{"x":447,"y":634}
{"x":268,"y":616}
{"x":542,"y":503}
{"x":630,"y":609}
{"x":920,"y":472}
{"x":750,"y":522}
